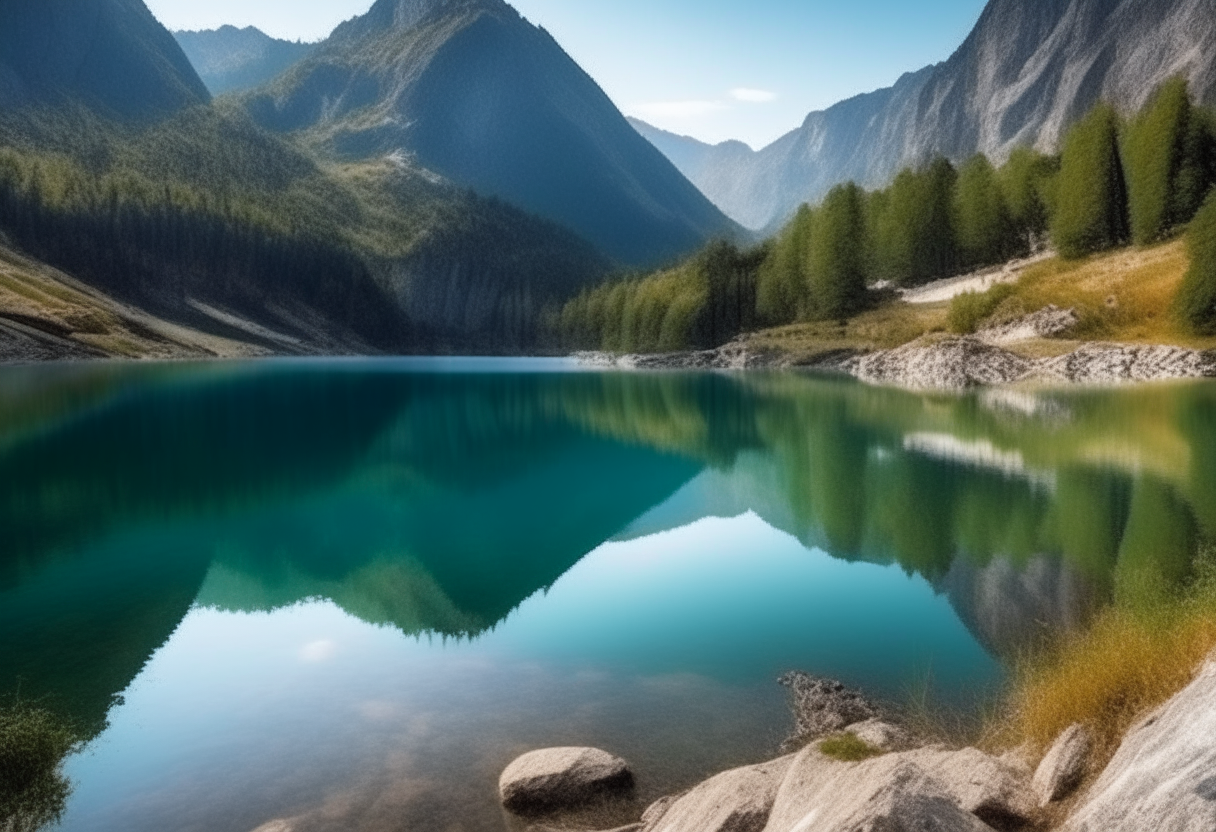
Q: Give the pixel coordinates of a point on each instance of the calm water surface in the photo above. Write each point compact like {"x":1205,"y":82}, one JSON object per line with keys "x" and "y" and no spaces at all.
{"x":343,"y":595}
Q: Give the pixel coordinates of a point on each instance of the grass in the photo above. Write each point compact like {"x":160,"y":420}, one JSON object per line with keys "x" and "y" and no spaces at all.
{"x":33,"y":789}
{"x":1134,"y":657}
{"x":970,"y":309}
{"x":848,"y":748}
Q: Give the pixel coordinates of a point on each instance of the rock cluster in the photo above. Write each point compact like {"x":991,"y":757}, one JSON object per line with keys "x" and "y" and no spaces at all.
{"x":823,"y":706}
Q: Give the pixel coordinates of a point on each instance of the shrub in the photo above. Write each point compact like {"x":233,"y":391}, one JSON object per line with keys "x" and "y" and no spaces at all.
{"x":970,"y":309}
{"x":1195,"y":305}
{"x":33,"y":745}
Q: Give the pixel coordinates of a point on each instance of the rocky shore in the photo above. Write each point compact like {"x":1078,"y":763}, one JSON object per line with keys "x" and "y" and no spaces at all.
{"x":987,"y":358}
{"x":858,"y":772}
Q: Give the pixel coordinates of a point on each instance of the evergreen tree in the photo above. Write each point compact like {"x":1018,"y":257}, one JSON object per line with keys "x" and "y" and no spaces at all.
{"x":782,"y":289}
{"x":837,"y":262}
{"x":938,"y":244}
{"x":1091,"y":195}
{"x":895,"y":227}
{"x":1196,"y":301}
{"x":1164,"y":152}
{"x":985,"y":231}
{"x":1027,"y":180}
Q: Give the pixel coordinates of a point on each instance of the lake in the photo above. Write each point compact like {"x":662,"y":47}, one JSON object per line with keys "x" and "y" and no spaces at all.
{"x":344,"y":594}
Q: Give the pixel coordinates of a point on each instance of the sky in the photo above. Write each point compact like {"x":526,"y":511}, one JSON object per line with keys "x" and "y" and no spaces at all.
{"x":711,"y":69}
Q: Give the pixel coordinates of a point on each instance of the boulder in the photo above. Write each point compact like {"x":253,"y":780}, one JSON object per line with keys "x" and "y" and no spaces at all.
{"x":824,"y":706}
{"x":734,"y":801}
{"x":561,"y":777}
{"x":882,"y":735}
{"x":886,"y":794}
{"x":1163,"y":777}
{"x":1064,"y":766}
{"x":993,"y":789}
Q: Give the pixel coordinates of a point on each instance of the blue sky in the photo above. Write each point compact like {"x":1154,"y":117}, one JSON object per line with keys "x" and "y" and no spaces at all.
{"x":711,"y":69}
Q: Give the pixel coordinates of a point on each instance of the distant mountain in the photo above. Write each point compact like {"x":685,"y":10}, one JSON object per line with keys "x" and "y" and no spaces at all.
{"x":471,"y":91}
{"x":229,"y":59}
{"x":111,"y":56}
{"x":1027,"y":71}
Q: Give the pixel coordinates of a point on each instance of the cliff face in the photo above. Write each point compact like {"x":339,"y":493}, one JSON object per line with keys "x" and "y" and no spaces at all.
{"x":1027,"y":71}
{"x":474,"y":93}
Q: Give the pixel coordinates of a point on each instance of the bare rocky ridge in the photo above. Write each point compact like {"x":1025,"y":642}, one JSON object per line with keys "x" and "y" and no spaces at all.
{"x":1028,"y":70}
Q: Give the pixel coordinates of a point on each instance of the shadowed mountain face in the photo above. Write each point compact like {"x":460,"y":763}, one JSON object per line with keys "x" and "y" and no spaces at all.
{"x":229,"y":59}
{"x":1029,"y":69}
{"x":473,"y":92}
{"x":110,"y":55}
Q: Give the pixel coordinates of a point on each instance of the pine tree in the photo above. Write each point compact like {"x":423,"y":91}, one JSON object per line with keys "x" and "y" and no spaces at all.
{"x":1091,"y":196}
{"x":1027,"y":180}
{"x":1164,"y":152}
{"x":985,"y":231}
{"x":837,"y":262}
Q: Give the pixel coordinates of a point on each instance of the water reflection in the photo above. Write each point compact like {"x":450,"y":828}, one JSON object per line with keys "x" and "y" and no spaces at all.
{"x":873,"y":534}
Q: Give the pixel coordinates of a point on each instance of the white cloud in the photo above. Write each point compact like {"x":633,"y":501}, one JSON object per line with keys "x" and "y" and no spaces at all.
{"x":679,"y":109}
{"x":751,"y":96}
{"x":318,"y":651}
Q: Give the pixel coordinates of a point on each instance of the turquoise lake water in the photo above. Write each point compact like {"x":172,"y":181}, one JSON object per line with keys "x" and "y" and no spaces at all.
{"x":332,"y":595}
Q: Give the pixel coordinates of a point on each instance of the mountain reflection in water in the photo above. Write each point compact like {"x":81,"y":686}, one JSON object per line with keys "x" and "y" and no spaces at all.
{"x":434,"y":499}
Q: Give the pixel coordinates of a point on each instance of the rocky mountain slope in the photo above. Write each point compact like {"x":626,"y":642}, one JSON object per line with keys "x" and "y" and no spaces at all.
{"x":229,"y":59}
{"x":1026,"y":72}
{"x":113,"y":57}
{"x":474,"y":93}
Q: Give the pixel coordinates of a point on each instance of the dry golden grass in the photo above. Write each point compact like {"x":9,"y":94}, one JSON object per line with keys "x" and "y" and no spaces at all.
{"x":1133,"y":658}
{"x":1125,"y":295}
{"x":887,"y":326}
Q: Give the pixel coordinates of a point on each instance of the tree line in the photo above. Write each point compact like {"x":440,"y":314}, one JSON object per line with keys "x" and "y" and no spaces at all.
{"x":1114,"y":182}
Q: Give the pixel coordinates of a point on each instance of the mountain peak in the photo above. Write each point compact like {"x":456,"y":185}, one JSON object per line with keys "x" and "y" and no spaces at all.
{"x":400,"y":15}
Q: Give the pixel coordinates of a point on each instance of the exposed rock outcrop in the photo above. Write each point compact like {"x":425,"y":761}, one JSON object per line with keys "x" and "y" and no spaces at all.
{"x":556,"y":777}
{"x":823,"y":706}
{"x":1163,"y":776}
{"x":1062,"y":770}
{"x":952,"y":364}
{"x":1048,"y":322}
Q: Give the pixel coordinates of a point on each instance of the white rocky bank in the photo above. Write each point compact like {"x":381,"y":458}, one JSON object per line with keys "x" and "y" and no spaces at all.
{"x":1162,"y":779}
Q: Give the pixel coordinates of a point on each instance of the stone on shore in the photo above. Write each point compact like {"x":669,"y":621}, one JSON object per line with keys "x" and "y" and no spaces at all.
{"x":892,"y":794}
{"x":882,"y":735}
{"x":824,"y":706}
{"x":734,"y":801}
{"x":561,"y":777}
{"x":1163,"y":776}
{"x":1064,"y":766}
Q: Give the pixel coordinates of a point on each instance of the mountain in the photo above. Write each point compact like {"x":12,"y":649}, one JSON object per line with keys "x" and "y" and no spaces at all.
{"x":229,"y":59}
{"x":1027,"y":71}
{"x":113,"y":57}
{"x":472,"y":92}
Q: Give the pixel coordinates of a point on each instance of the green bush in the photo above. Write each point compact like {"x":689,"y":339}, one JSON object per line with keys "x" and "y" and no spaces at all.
{"x":970,"y":309}
{"x":1195,"y":305}
{"x":33,"y":746}
{"x":848,"y":748}
{"x":1091,"y":195}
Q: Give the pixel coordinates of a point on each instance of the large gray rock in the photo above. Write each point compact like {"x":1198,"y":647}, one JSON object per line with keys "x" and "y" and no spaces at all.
{"x":556,"y":777}
{"x":993,"y":789}
{"x":1163,"y":778}
{"x":734,"y":801}
{"x":1062,"y":770}
{"x":887,"y":794}
{"x":824,"y":706}
{"x":882,"y":735}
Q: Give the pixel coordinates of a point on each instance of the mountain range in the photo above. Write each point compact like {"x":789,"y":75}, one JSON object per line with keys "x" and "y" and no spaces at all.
{"x":472,"y":92}
{"x":1027,"y":71}
{"x":228,"y":59}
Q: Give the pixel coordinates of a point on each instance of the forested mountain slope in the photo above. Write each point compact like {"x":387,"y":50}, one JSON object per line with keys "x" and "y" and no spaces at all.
{"x":474,"y":93}
{"x":192,"y":213}
{"x":1028,"y":70}
{"x":229,"y":59}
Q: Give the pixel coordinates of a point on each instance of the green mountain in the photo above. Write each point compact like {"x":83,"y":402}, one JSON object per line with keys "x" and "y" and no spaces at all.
{"x":116,"y":169}
{"x":472,"y":92}
{"x":111,"y":56}
{"x":229,"y":59}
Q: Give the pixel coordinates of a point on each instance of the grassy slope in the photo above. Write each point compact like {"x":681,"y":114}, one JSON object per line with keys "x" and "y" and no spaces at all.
{"x":1122,"y":296}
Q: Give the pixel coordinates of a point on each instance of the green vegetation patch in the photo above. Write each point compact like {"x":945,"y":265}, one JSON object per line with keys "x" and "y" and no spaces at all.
{"x":33,"y":746}
{"x":1195,"y":305}
{"x":848,"y":748}
{"x":970,"y":309}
